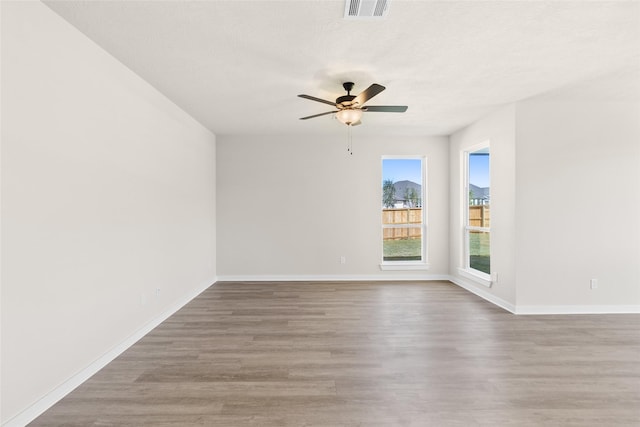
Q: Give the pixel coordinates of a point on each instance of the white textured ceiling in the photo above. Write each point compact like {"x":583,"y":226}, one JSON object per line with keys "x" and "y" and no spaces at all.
{"x":237,"y":66}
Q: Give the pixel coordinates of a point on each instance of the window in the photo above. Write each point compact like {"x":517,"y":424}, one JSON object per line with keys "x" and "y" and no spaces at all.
{"x":477,"y":215}
{"x":403,"y":212}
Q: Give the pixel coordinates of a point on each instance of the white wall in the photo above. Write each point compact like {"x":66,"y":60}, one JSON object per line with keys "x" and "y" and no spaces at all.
{"x":565,"y":198}
{"x":108,"y":192}
{"x":578,"y":206}
{"x":291,"y":206}
{"x":499,"y":129}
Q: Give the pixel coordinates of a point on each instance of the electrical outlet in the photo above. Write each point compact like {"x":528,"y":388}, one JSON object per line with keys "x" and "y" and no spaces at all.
{"x":594,"y":283}
{"x":494,"y":277}
{"x":343,"y":259}
{"x":157,"y":292}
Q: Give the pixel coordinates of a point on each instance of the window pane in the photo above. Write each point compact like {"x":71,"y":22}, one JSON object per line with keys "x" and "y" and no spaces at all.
{"x":479,"y":188}
{"x":401,"y":183}
{"x":479,"y":258}
{"x":402,"y":244}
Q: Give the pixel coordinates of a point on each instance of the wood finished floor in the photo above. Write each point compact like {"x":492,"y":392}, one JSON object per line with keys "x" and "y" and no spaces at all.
{"x":364,"y":354}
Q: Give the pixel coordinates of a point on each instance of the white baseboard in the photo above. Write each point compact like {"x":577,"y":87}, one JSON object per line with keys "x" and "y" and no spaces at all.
{"x":578,"y":309}
{"x":474,"y":289}
{"x":332,"y":277}
{"x":36,"y":409}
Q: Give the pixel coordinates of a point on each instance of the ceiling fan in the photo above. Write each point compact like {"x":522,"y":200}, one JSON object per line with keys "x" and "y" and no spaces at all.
{"x":350,"y":107}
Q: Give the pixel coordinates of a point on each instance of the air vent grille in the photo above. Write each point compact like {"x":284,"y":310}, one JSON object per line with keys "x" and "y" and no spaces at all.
{"x":366,"y":9}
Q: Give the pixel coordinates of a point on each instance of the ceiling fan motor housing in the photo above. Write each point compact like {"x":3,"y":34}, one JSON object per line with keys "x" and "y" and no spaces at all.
{"x":345,"y":100}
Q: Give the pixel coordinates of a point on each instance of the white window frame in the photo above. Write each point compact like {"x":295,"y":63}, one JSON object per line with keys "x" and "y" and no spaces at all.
{"x":409,"y":265}
{"x":466,"y":270}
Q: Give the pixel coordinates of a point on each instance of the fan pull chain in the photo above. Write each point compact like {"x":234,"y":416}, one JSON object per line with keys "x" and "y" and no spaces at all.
{"x":349,"y":140}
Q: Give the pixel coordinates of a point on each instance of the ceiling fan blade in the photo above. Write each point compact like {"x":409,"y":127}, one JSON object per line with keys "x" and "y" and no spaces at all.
{"x":387,"y":108}
{"x":368,"y":93}
{"x":318,"y":115}
{"x":313,"y":98}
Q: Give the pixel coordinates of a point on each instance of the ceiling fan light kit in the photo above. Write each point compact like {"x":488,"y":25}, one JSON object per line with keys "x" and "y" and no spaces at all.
{"x":349,"y":108}
{"x":349,"y":116}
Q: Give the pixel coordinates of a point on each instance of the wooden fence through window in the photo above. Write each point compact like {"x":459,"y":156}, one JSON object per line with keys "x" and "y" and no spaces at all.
{"x":399,"y":216}
{"x":480,"y":216}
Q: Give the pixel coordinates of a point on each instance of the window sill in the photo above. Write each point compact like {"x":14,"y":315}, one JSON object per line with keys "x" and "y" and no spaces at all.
{"x":476,"y":276}
{"x":404,"y":265}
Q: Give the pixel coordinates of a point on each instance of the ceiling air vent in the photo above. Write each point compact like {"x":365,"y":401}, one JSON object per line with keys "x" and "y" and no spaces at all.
{"x":366,"y":9}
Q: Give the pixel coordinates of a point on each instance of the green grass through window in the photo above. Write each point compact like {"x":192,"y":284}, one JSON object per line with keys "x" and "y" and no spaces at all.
{"x":402,"y":250}
{"x":479,"y":251}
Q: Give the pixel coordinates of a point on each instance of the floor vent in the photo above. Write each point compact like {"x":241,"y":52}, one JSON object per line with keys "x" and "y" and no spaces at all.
{"x":366,"y":9}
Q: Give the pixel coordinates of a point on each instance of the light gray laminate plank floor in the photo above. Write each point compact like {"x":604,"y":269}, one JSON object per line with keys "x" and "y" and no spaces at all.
{"x":364,"y":354}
